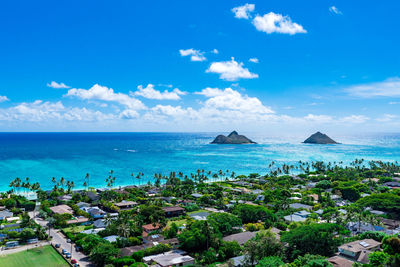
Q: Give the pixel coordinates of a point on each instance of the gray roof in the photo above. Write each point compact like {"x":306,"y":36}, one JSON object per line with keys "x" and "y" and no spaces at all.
{"x":300,"y":206}
{"x":241,"y":238}
{"x":295,"y":218}
{"x":6,"y":213}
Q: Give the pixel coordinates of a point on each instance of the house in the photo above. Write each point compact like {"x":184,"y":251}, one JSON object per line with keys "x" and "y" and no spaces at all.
{"x":239,"y":261}
{"x":338,"y":261}
{"x":65,"y":198}
{"x":298,"y":216}
{"x":12,"y":244}
{"x":359,"y":250}
{"x":260,"y":198}
{"x":92,"y":196}
{"x":95,"y":212}
{"x":100,"y":223}
{"x":392,"y":185}
{"x":148,"y":228}
{"x":125,"y":205}
{"x":300,"y":206}
{"x":173,"y":211}
{"x":127,"y":251}
{"x":77,"y":220}
{"x":62,"y":209}
{"x":390,"y":224}
{"x":200,"y":216}
{"x":197,"y":195}
{"x":6,"y":214}
{"x":241,"y":238}
{"x":111,"y":238}
{"x":169,"y":259}
{"x":257,"y":191}
{"x":92,"y":231}
{"x":358,"y":228}
{"x":83,"y":205}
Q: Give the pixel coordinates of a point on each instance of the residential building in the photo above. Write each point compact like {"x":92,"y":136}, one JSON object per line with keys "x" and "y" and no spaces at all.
{"x":62,"y":209}
{"x":173,"y":211}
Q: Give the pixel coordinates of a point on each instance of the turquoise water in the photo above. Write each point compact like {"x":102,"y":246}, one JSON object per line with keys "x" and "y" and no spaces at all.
{"x":41,"y":156}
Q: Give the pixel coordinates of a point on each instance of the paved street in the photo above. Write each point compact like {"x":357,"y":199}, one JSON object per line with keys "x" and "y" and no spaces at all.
{"x":59,"y":238}
{"x":22,"y":248}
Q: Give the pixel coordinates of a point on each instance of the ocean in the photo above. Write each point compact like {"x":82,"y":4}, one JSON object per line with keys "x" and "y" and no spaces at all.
{"x":41,"y":156}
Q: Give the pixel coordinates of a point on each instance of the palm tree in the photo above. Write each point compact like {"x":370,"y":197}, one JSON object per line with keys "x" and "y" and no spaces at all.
{"x":87,"y":177}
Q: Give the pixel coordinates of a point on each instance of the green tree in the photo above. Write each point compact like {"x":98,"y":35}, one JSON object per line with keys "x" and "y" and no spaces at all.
{"x":391,"y":245}
{"x":225,"y":223}
{"x":271,"y":261}
{"x":378,"y":259}
{"x":171,"y":231}
{"x":310,"y":260}
{"x":228,"y":250}
{"x":252,"y":214}
{"x":264,"y":244}
{"x":103,"y":253}
{"x":315,"y":238}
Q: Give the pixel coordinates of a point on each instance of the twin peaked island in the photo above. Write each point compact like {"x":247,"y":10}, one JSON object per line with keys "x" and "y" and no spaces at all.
{"x":236,"y":139}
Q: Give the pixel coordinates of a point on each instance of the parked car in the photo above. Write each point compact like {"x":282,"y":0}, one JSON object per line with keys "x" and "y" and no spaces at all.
{"x":76,"y":265}
{"x":73,"y":261}
{"x":78,"y":248}
{"x":68,"y":255}
{"x":68,"y":240}
{"x":64,"y":251}
{"x":58,"y":245}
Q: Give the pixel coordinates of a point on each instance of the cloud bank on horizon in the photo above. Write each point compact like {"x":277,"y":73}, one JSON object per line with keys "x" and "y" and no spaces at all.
{"x":253,"y":81}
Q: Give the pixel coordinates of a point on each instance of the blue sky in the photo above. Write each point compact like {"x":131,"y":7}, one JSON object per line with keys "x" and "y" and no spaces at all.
{"x":199,"y":66}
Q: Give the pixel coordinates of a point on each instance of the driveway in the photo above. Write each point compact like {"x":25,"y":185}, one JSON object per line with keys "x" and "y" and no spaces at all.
{"x":59,"y":238}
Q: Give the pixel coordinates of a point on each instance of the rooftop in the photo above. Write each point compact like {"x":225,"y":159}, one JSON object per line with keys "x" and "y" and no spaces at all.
{"x":62,"y":209}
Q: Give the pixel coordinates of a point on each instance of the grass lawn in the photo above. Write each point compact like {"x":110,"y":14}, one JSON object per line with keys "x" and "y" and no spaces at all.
{"x":77,"y":229}
{"x":44,"y":256}
{"x":178,"y":223}
{"x":197,"y":211}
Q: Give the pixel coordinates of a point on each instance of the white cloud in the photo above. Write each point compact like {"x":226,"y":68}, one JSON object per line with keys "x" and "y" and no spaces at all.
{"x":195,"y":55}
{"x":394,"y":103}
{"x":230,"y":99}
{"x":387,"y":88}
{"x":318,"y":118}
{"x":98,"y":92}
{"x":254,"y":60}
{"x":335,"y":10}
{"x":387,"y":118}
{"x":39,"y":111}
{"x":272,"y":22}
{"x":56,"y":85}
{"x":243,"y":12}
{"x":215,"y":51}
{"x":151,"y":93}
{"x":354,"y":119}
{"x":3,"y":98}
{"x":231,"y":70}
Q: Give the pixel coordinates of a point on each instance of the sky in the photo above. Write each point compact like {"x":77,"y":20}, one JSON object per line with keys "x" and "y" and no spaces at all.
{"x":200,"y":66}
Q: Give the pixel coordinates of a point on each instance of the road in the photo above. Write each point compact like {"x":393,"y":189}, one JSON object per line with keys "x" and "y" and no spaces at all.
{"x":22,"y":248}
{"x":59,"y":238}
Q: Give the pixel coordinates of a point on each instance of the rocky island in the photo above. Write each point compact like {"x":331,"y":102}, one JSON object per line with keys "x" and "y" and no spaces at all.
{"x":232,"y":138}
{"x":319,"y":138}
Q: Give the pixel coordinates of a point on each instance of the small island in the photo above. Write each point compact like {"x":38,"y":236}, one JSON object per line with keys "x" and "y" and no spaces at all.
{"x":232,"y":138}
{"x":319,"y":138}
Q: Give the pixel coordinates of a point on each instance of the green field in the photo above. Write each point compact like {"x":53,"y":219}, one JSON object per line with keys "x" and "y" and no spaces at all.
{"x":43,"y":256}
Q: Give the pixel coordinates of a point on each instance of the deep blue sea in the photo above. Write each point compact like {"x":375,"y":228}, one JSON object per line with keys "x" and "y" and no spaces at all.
{"x":41,"y":156}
